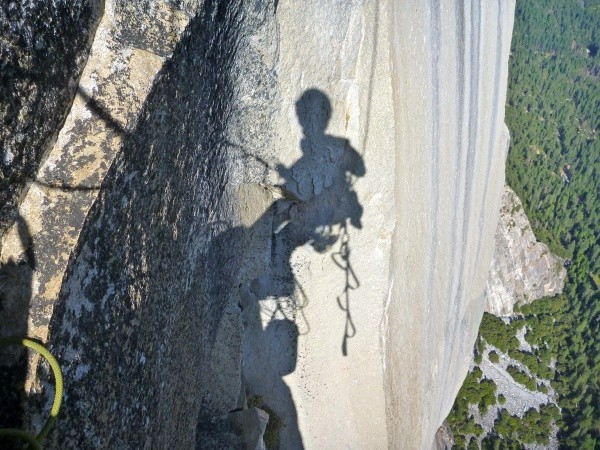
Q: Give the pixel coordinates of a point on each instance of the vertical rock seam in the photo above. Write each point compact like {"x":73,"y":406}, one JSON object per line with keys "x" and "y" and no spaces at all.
{"x":449,"y":74}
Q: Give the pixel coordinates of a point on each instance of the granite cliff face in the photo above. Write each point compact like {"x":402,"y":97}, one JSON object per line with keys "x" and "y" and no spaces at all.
{"x":43,"y":50}
{"x":450,"y":63}
{"x":523,"y":269}
{"x":223,"y":221}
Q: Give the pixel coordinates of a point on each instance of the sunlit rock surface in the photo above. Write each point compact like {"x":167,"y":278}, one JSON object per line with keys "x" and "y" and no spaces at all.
{"x":287,"y":205}
{"x":113,"y":86}
{"x":523,"y":269}
{"x":450,"y":63}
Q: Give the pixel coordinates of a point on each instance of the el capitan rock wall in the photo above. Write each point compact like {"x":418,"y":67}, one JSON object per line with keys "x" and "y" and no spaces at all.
{"x":450,"y":68}
{"x":288,"y":200}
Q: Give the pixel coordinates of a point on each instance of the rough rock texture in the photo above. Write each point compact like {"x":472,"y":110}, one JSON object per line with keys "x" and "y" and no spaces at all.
{"x":443,"y":437}
{"x":43,"y":49}
{"x":523,"y":269}
{"x":113,"y":86}
{"x":449,"y":80}
{"x":143,"y":278}
{"x":234,"y":179}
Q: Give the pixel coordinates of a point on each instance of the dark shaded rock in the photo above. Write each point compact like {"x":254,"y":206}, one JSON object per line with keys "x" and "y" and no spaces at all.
{"x":148,"y":287}
{"x":43,"y":49}
{"x":444,"y":440}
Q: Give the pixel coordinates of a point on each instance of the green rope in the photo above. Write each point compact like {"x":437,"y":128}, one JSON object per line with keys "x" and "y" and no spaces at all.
{"x":35,"y":442}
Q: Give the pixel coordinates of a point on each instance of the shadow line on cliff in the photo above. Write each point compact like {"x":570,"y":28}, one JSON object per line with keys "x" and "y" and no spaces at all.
{"x":147,"y":289}
{"x":96,"y":107}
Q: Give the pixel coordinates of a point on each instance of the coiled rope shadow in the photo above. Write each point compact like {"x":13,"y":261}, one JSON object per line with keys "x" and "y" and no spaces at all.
{"x":34,"y":441}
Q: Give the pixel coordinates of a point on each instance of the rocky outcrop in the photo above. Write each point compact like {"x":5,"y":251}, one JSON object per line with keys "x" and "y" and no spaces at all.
{"x":145,"y":276}
{"x":250,"y":424}
{"x":523,"y":269}
{"x":43,"y":50}
{"x":443,"y":437}
{"x":108,"y":97}
{"x":226,"y":209}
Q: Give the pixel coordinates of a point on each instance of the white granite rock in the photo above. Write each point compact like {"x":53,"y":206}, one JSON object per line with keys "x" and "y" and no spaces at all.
{"x":450,"y":66}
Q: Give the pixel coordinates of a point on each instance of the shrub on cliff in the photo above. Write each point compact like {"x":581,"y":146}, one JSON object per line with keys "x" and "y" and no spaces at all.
{"x":494,"y":357}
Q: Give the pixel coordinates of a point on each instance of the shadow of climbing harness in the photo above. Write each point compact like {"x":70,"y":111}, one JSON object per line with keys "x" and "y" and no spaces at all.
{"x":341,"y":259}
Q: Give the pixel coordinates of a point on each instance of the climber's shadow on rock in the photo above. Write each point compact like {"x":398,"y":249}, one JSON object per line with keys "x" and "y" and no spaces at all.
{"x":318,"y":201}
{"x":317,"y":205}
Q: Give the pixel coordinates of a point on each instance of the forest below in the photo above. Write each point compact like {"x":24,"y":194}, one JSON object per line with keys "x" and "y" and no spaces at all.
{"x":552,"y":112}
